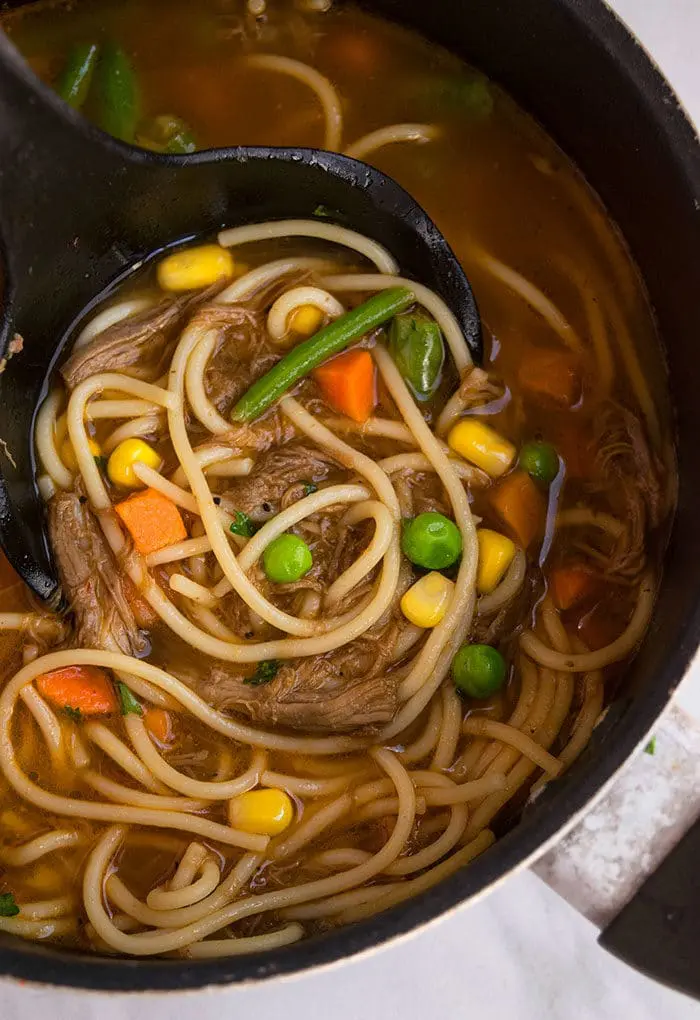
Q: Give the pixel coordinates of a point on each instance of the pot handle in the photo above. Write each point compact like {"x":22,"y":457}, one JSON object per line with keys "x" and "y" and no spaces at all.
{"x":658,"y":932}
{"x":632,"y":864}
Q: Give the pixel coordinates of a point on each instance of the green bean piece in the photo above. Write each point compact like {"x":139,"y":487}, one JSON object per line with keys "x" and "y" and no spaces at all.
{"x":330,"y":340}
{"x":167,"y":133}
{"x":118,"y":99}
{"x":417,"y":347}
{"x":73,"y":84}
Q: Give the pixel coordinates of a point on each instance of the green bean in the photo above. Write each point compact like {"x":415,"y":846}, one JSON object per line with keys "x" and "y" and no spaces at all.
{"x":417,"y":347}
{"x":73,"y":84}
{"x":117,"y":93}
{"x":330,"y":340}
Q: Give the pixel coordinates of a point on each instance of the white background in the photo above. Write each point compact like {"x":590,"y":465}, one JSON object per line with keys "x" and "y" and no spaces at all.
{"x":522,"y":953}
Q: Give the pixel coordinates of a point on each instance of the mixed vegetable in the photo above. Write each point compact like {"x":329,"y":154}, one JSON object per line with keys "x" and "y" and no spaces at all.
{"x":101,"y":77}
{"x":347,"y":381}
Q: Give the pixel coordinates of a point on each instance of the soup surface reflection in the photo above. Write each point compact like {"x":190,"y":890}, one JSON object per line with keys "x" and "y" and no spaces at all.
{"x":333,"y":619}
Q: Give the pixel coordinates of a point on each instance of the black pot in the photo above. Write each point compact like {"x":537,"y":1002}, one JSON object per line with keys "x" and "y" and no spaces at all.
{"x":574,"y":66}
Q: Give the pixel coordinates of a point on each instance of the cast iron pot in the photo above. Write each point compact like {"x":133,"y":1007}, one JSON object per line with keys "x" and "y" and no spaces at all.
{"x":574,"y":66}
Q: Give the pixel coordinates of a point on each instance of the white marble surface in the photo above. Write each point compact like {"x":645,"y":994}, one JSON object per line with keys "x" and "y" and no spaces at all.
{"x":522,"y":953}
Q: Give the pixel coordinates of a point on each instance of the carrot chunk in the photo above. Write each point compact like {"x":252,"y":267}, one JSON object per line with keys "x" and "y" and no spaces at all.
{"x":551,"y":376}
{"x":157,"y":722}
{"x":84,"y":689}
{"x":521,"y":507}
{"x":153,"y":520}
{"x":348,"y":383}
{"x":570,"y":585}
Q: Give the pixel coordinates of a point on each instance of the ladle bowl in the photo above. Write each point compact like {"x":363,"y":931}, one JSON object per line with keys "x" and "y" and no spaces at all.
{"x":79,"y":210}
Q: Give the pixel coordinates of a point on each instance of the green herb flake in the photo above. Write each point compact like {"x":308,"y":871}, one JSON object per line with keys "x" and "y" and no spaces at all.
{"x":101,"y":463}
{"x":73,"y":713}
{"x":8,"y":907}
{"x":309,"y":488}
{"x":651,"y":747}
{"x":264,"y":673}
{"x":323,"y":212}
{"x":242,"y":525}
{"x":129,"y":704}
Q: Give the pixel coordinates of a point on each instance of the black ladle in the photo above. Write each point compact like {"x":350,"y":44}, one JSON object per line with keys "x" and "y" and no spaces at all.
{"x":78,"y":208}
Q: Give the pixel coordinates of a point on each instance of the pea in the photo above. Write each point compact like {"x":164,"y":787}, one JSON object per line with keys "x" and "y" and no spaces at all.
{"x":417,"y":347}
{"x":431,"y":540}
{"x":541,"y":461}
{"x":478,"y":670}
{"x":286,"y":559}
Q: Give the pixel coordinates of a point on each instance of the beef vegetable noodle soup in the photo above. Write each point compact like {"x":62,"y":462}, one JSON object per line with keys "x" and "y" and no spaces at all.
{"x":337,"y":601}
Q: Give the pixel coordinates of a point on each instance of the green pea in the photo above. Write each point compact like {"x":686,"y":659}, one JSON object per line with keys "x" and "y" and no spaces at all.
{"x":417,"y":347}
{"x":478,"y":670}
{"x":541,"y":461}
{"x":431,"y":540}
{"x":286,"y":559}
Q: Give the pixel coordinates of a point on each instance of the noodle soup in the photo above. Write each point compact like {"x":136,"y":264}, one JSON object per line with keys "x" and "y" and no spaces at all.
{"x":339,"y":601}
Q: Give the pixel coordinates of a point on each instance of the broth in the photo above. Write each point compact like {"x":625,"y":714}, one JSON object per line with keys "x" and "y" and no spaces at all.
{"x":557,"y":290}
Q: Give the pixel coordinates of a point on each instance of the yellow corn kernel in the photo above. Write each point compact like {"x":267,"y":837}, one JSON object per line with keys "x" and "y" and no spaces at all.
{"x":482,"y":445}
{"x":496,"y":554}
{"x":305,"y":320}
{"x":264,"y":812}
{"x":195,"y":267}
{"x":120,"y":466}
{"x":68,"y":453}
{"x":426,"y":602}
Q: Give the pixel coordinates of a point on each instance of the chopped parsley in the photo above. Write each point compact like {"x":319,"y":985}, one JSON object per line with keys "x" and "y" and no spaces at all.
{"x":651,"y":746}
{"x":128,"y":703}
{"x":8,"y":907}
{"x":309,"y":488}
{"x":101,"y":463}
{"x":323,"y":212}
{"x":242,"y":525}
{"x":73,"y":713}
{"x":264,"y":673}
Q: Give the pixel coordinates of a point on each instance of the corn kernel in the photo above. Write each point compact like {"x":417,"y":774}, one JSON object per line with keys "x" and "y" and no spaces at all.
{"x":482,"y":445}
{"x":305,"y":320}
{"x":195,"y":267}
{"x":264,"y":812}
{"x":68,"y":453}
{"x":426,"y":602}
{"x":120,"y":466}
{"x":496,"y":554}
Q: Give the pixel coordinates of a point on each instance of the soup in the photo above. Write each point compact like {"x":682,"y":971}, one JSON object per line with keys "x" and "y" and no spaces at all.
{"x":339,"y":602}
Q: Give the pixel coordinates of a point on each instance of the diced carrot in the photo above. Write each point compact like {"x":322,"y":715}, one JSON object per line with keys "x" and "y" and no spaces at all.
{"x":552,"y":376}
{"x":86,"y":689}
{"x":152,"y":519}
{"x":348,"y":383}
{"x":571,"y":584}
{"x":521,"y":507}
{"x":157,"y":722}
{"x":355,"y":50}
